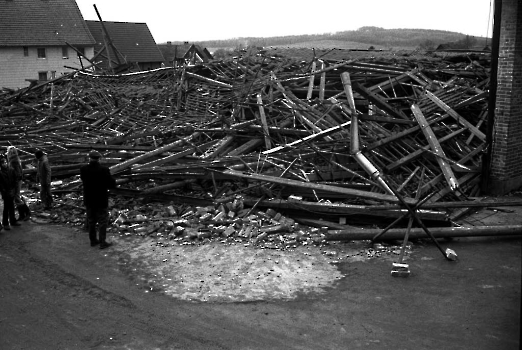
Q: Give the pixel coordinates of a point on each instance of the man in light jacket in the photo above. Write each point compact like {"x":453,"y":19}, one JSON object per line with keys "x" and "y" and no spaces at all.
{"x":44,"y":176}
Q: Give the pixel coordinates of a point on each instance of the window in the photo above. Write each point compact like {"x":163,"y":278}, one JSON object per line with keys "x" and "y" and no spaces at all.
{"x":81,"y":50}
{"x":26,"y":51}
{"x":65,"y":52}
{"x":41,"y":52}
{"x":42,"y":76}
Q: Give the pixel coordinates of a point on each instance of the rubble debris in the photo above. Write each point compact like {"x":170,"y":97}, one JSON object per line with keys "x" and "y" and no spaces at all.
{"x":242,"y":149}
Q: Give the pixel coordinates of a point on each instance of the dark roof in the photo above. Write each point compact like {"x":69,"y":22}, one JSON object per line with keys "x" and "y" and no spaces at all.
{"x":42,"y":22}
{"x":173,"y":52}
{"x":133,"y":40}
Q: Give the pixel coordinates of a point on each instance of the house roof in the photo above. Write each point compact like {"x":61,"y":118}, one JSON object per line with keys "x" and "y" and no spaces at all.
{"x":172,"y":52}
{"x":133,"y":40}
{"x":42,"y":23}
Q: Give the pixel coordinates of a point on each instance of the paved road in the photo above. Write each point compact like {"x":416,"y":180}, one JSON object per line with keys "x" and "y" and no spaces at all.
{"x":58,"y":293}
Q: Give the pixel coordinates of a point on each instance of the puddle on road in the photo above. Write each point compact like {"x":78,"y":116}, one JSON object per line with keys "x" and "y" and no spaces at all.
{"x":232,"y":272}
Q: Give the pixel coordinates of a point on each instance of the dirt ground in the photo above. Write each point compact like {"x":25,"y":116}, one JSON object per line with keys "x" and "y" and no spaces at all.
{"x":56,"y":292}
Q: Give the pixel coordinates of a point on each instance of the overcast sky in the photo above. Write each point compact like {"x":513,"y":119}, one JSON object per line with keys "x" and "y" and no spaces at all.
{"x":199,"y":20}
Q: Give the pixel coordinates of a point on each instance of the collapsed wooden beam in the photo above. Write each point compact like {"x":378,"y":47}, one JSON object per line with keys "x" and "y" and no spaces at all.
{"x":456,"y":116}
{"x":122,"y":166}
{"x":307,"y":138}
{"x":347,"y":191}
{"x":435,"y":147}
{"x":344,"y":210}
{"x":416,"y":233}
{"x":264,"y":124}
{"x":379,"y":102}
{"x":462,"y":204}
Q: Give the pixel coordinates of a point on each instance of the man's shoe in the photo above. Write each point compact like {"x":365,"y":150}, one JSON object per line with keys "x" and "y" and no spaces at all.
{"x":16,"y":224}
{"x":95,"y":243}
{"x":7,"y":227}
{"x":104,"y":245}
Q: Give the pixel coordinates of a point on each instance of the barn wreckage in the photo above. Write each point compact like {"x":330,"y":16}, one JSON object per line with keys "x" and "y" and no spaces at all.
{"x":267,"y":149}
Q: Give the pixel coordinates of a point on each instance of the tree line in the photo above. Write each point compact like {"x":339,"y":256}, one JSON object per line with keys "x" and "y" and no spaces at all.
{"x":370,"y":36}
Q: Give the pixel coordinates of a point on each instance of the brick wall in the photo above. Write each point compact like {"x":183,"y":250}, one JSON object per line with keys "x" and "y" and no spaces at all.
{"x":15,"y":68}
{"x":506,"y":161}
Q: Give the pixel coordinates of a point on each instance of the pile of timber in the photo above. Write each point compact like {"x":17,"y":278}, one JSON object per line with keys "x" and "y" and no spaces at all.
{"x":350,"y":141}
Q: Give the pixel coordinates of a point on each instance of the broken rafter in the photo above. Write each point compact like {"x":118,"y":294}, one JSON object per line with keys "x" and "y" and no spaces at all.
{"x":327,"y":188}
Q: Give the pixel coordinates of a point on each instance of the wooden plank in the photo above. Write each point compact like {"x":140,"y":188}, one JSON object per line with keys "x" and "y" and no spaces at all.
{"x":473,"y":99}
{"x":304,"y":119}
{"x":127,"y":164}
{"x":298,"y":108}
{"x":343,"y":209}
{"x":311,"y":82}
{"x":386,"y":83}
{"x":208,"y":80}
{"x":416,"y":233}
{"x":456,"y":116}
{"x":281,"y":130}
{"x":167,"y":159}
{"x":401,"y":134}
{"x":168,"y":186}
{"x":322,"y":82}
{"x":379,"y":101}
{"x":354,"y":128}
{"x":415,"y":154}
{"x":461,"y":181}
{"x":247,"y":147}
{"x":307,"y":138}
{"x":346,"y":191}
{"x":89,"y":146}
{"x":424,"y":82}
{"x":481,"y":120}
{"x":219,"y":148}
{"x":266,"y":132}
{"x":435,"y":147}
{"x":178,"y":155}
{"x":381,"y":119}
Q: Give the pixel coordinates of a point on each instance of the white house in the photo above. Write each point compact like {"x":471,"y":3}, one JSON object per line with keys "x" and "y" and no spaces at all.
{"x":37,"y":39}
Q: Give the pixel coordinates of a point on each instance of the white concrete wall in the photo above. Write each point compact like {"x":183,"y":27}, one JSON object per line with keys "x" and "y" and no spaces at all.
{"x":15,"y":68}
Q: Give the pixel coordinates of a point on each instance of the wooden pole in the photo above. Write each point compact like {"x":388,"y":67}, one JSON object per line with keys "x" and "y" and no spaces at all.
{"x":415,"y":233}
{"x":122,"y":166}
{"x":311,"y":82}
{"x":262,"y":115}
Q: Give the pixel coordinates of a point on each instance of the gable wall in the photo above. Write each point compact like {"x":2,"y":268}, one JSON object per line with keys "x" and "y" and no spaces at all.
{"x":15,"y":68}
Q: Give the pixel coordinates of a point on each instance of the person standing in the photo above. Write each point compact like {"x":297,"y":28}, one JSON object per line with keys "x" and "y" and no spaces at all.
{"x":97,"y":180}
{"x":13,"y":161}
{"x":44,"y":176}
{"x":7,"y":189}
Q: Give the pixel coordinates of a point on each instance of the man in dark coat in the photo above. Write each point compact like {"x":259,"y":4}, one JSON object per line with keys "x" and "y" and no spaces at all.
{"x":97,"y":180}
{"x":7,"y":189}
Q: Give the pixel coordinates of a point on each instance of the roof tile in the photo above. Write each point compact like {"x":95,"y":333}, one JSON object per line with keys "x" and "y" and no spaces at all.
{"x":39,"y":22}
{"x":133,"y":40}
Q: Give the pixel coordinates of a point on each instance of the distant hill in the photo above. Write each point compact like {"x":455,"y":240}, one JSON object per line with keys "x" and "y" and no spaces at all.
{"x":361,"y":38}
